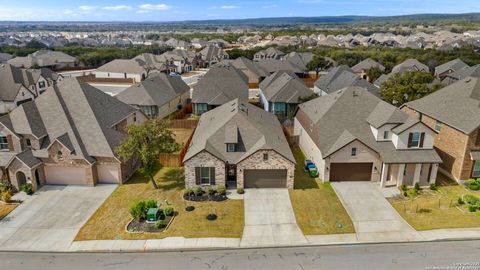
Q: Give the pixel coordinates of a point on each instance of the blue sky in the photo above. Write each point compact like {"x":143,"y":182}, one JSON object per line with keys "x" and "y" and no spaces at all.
{"x":166,"y":10}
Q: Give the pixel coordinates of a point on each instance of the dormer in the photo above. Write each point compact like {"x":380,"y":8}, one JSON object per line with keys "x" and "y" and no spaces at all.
{"x":231,"y":137}
{"x":383,"y":133}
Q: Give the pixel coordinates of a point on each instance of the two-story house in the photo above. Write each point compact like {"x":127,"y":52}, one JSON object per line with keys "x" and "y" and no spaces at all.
{"x":269,"y":53}
{"x":352,"y":135}
{"x":454,"y":113}
{"x":211,"y":55}
{"x":66,"y":136}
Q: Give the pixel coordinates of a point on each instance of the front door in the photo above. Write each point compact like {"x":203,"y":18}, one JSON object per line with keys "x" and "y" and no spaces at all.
{"x":231,"y":175}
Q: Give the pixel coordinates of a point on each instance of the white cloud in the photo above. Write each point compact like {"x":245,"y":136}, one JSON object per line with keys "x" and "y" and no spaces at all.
{"x":229,"y":7}
{"x":120,"y":7}
{"x":87,"y":8}
{"x":68,"y":12}
{"x":154,"y":7}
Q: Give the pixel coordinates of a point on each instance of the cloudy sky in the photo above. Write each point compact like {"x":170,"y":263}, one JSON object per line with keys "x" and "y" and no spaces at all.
{"x":144,"y":10}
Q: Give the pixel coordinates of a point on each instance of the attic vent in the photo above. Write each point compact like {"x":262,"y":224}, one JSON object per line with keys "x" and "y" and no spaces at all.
{"x":232,"y":110}
{"x":468,"y":80}
{"x":355,"y":94}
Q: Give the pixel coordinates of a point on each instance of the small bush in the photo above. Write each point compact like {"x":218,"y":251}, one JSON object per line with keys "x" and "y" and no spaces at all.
{"x":5,"y":186}
{"x":460,"y":201}
{"x":473,"y":184}
{"x":151,"y":204}
{"x":188,"y":192}
{"x":139,"y":210}
{"x":417,"y":187}
{"x":27,"y":188}
{"x":403,"y":187}
{"x":160,"y":224}
{"x":405,"y":194}
{"x":6,"y":196}
{"x":221,"y":190}
{"x":472,"y":208}
{"x":433,"y":186}
{"x":198,"y":191}
{"x":168,"y":211}
{"x":240,"y":190}
{"x":471,"y":199}
{"x":210,"y":191}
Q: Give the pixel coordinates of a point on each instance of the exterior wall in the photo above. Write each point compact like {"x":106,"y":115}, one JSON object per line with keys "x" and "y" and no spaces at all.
{"x":17,"y":166}
{"x":6,"y":106}
{"x":135,"y":77}
{"x":264,"y":101}
{"x":275,"y":161}
{"x":252,"y":78}
{"x":364,"y":155}
{"x":204,"y":159}
{"x":23,"y":94}
{"x":378,"y":133}
{"x":309,"y":148}
{"x":401,"y":140}
{"x":108,"y":171}
{"x":16,"y":143}
{"x":171,"y":106}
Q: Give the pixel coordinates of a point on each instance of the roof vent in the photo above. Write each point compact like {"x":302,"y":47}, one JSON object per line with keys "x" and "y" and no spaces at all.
{"x":468,"y":80}
{"x":355,"y":94}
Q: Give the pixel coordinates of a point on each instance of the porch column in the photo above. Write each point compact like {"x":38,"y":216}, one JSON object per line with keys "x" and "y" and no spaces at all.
{"x":401,"y":169}
{"x":383,"y":178}
{"x":433,"y":173}
{"x":416,"y":175}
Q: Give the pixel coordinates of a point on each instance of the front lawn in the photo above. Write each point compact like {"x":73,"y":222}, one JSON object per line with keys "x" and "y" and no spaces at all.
{"x":110,"y":219}
{"x":317,"y":208}
{"x":5,"y":209}
{"x":431,"y":210}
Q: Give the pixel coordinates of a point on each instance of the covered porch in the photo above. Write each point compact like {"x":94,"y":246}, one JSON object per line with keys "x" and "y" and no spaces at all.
{"x":397,"y":174}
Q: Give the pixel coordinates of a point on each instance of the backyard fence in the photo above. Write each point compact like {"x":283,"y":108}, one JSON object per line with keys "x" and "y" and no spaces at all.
{"x":184,"y":111}
{"x":184,"y":123}
{"x":175,"y":159}
{"x":288,"y":131}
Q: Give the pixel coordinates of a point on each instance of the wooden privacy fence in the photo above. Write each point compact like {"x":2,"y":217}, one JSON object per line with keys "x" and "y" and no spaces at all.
{"x":288,"y":131}
{"x":184,"y":111}
{"x":175,"y":159}
{"x":184,"y":123}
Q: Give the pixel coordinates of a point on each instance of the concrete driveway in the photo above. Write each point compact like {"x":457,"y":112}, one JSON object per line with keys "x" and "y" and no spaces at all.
{"x":269,"y":219}
{"x":50,"y":219}
{"x":372,"y":215}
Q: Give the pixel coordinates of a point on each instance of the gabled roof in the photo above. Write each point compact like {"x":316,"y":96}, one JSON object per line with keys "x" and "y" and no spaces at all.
{"x":131,"y":66}
{"x":42,"y":58}
{"x":408,"y":65}
{"x":12,"y":79}
{"x":243,"y":63}
{"x":156,"y":90}
{"x":473,"y":71}
{"x":220,"y":84}
{"x":341,"y":77}
{"x":285,"y":87}
{"x":255,"y":129}
{"x":367,"y":64}
{"x":273,"y":65}
{"x":454,"y":65}
{"x":300,"y":59}
{"x":457,"y":105}
{"x":212,"y":52}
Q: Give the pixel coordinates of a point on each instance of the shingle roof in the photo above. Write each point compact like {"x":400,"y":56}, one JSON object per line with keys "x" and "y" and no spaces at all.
{"x":243,"y":63}
{"x":366,"y":65}
{"x":4,"y":57}
{"x":457,"y":105}
{"x":285,"y":88}
{"x":300,"y":59}
{"x":341,"y":77}
{"x":257,"y":130}
{"x":453,"y":65}
{"x":272,"y":65}
{"x":42,"y":58}
{"x":156,"y":90}
{"x":11,"y":80}
{"x":405,"y":66}
{"x":132,"y":66}
{"x":28,"y":159}
{"x":344,"y":116}
{"x":220,"y":84}
{"x":473,"y":71}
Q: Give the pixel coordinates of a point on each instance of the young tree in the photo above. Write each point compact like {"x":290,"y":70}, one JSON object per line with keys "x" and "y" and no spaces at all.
{"x":318,"y":63}
{"x":146,"y":142}
{"x":408,"y":86}
{"x":374,"y":73}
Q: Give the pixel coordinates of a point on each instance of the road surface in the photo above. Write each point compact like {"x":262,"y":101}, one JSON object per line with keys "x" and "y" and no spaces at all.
{"x":461,"y":255}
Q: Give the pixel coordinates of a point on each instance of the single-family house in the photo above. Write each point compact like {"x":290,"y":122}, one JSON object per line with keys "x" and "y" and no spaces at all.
{"x":134,"y":69}
{"x":453,"y":112}
{"x":352,"y":135}
{"x":158,"y":95}
{"x":300,"y":59}
{"x":443,"y":70}
{"x":222,"y":83}
{"x":362,"y":68}
{"x":408,"y":65}
{"x":255,"y":72}
{"x":473,"y":71}
{"x":212,"y":54}
{"x":280,"y":93}
{"x":4,"y":57}
{"x":269,"y":53}
{"x":240,"y":146}
{"x":44,"y":58}
{"x":66,"y":136}
{"x":339,"y":78}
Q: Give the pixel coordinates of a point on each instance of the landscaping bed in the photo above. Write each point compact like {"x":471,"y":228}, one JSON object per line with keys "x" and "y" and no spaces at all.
{"x":208,"y":193}
{"x":143,"y":226}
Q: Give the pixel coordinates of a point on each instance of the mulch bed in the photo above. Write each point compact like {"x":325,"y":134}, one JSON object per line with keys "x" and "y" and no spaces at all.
{"x":148,"y":227}
{"x":204,"y":198}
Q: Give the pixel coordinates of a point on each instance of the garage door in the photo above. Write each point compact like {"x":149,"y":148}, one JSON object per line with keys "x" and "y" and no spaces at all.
{"x":351,"y":171}
{"x":265,"y":178}
{"x":59,"y":175}
{"x":107,"y":174}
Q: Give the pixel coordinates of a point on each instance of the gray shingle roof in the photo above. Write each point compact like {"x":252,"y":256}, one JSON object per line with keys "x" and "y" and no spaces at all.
{"x":300,"y":59}
{"x":11,"y":80}
{"x":256,"y":130}
{"x":42,"y":58}
{"x":243,"y":63}
{"x":461,"y":74}
{"x":342,"y":117}
{"x":405,"y":66}
{"x":157,"y":90}
{"x":272,"y":65}
{"x":285,"y":88}
{"x":457,"y":105}
{"x":131,"y":66}
{"x":367,"y":64}
{"x":28,"y":159}
{"x":341,"y":77}
{"x":453,"y":65}
{"x":220,"y":84}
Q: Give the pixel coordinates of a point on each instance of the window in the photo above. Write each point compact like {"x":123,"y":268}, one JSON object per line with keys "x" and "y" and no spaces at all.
{"x":201,"y":108}
{"x":265,"y":157}
{"x":150,"y":111}
{"x":354,"y":151}
{"x":230,"y":147}
{"x":41,"y":84}
{"x":386,"y":134}
{"x":205,"y":175}
{"x":438,"y":125}
{"x":59,"y":155}
{"x":28,"y":142}
{"x":3,"y":142}
{"x":134,"y":117}
{"x":476,"y":169}
{"x":279,"y":108}
{"x":414,"y":140}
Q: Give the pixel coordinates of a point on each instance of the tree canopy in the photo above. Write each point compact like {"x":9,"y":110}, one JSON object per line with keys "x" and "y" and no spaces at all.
{"x":319,"y":63}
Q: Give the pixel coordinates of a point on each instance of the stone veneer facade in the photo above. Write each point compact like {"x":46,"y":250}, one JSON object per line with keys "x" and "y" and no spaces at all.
{"x":453,"y":146}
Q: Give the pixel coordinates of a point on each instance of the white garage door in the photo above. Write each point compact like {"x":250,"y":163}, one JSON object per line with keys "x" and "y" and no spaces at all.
{"x":107,"y":174}
{"x":59,"y":175}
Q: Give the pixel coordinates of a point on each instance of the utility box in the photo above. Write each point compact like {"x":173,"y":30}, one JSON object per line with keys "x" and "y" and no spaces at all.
{"x":152,"y":214}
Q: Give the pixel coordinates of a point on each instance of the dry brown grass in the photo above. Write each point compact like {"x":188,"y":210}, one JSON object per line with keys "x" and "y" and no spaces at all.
{"x":5,"y":209}
{"x":110,"y":219}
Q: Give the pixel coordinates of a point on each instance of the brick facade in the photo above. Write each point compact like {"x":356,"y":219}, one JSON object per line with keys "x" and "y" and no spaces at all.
{"x":204,"y":159}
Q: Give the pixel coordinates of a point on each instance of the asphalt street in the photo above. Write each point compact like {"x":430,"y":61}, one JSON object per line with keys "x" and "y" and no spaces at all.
{"x":461,"y":255}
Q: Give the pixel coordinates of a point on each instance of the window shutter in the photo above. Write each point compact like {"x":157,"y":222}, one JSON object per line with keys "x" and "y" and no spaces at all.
{"x":422,"y":137}
{"x":410,"y":136}
{"x":10,"y":142}
{"x":212,"y":176}
{"x":197,"y":176}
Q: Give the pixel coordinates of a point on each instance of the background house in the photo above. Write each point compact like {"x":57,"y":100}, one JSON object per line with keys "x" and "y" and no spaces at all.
{"x":44,"y":58}
{"x":134,"y":69}
{"x":339,"y":78}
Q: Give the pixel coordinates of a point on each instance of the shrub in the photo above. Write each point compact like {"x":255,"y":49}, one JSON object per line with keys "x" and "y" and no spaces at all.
{"x":198,"y":191}
{"x":221,"y":190}
{"x":27,"y":188}
{"x":240,"y":190}
{"x":405,"y":194}
{"x":403,"y":187}
{"x":417,"y":187}
{"x":6,"y":196}
{"x":471,"y":199}
{"x":473,"y":184}
{"x":472,"y":208}
{"x":151,"y":204}
{"x":210,"y":191}
{"x":5,"y":186}
{"x":460,"y":201}
{"x":160,"y":224}
{"x":139,"y":210}
{"x":168,"y":211}
{"x":433,"y":186}
{"x":188,"y":192}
